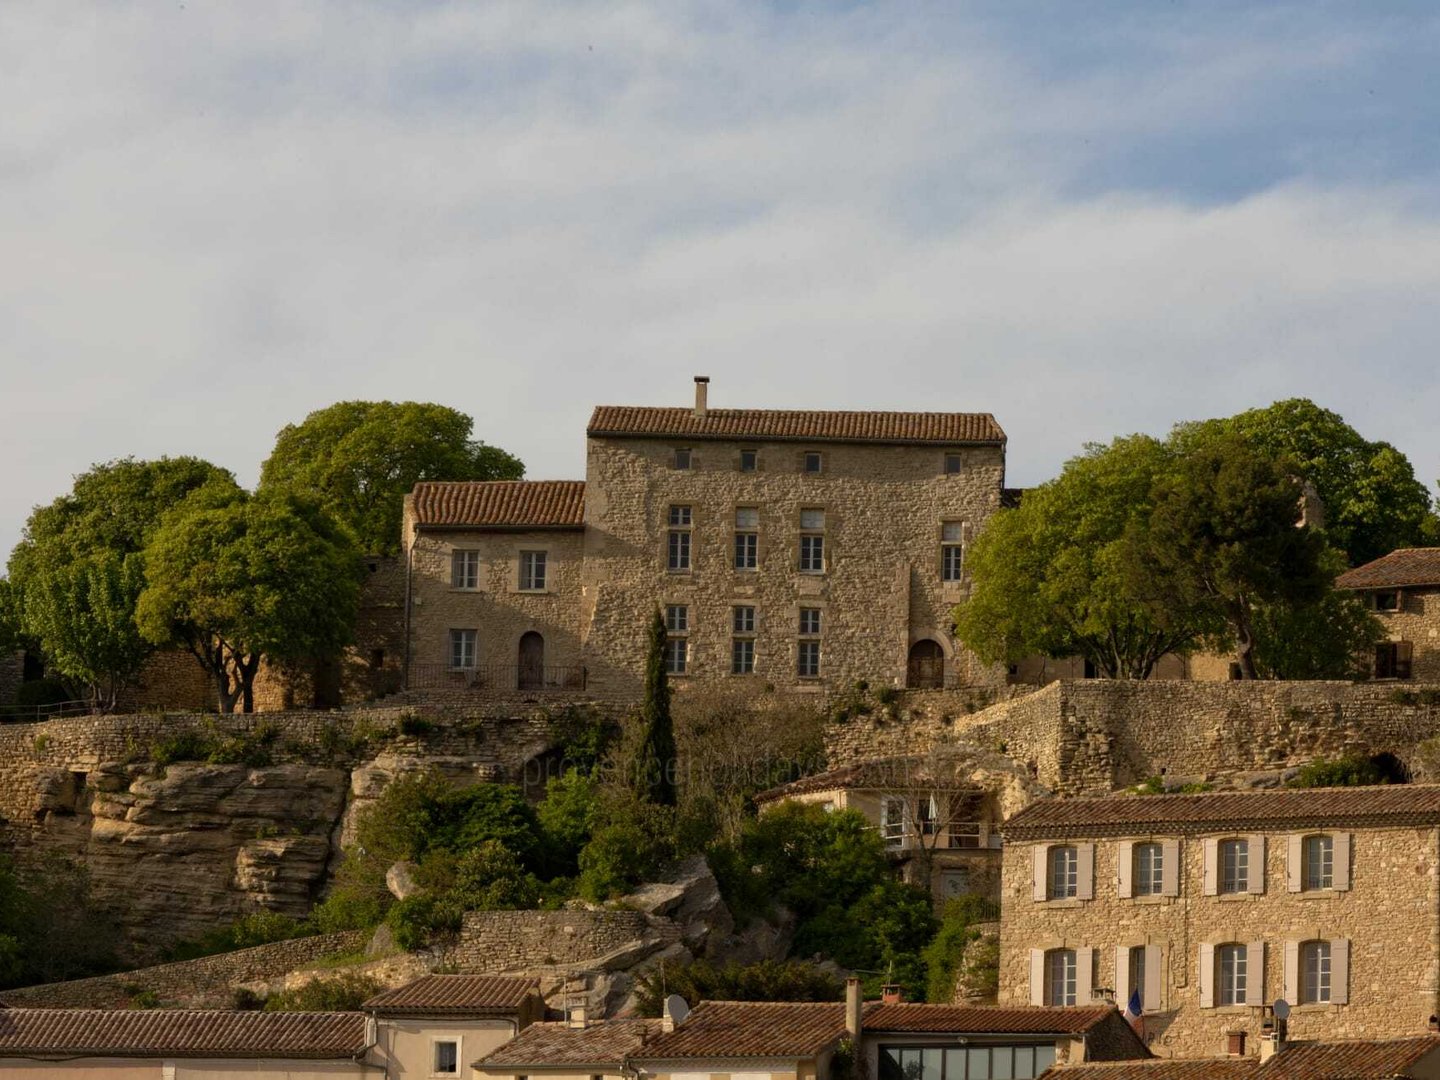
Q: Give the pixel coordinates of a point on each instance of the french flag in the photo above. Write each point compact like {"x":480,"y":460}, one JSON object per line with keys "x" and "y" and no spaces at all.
{"x":1133,"y":1009}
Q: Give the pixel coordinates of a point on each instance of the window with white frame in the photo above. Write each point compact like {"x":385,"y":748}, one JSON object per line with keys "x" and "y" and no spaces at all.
{"x":1318,"y":862}
{"x":747,"y":538}
{"x":952,"y":550}
{"x":1234,"y":865}
{"x":677,"y":641}
{"x":1062,"y":872}
{"x":742,"y":645}
{"x":532,"y":571}
{"x":462,"y":649}
{"x":807,"y":655}
{"x":1230,"y":974}
{"x":446,"y":1057}
{"x":1060,"y":977}
{"x":465,"y":569}
{"x":1149,"y":871}
{"x":678,"y":542}
{"x":1314,"y":973}
{"x":812,"y":541}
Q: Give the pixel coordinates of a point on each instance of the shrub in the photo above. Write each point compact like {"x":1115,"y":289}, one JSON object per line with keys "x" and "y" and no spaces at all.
{"x":339,"y":993}
{"x":1353,"y":770}
{"x":259,"y":928}
{"x":946,"y":951}
{"x":768,"y":980}
{"x":413,"y":725}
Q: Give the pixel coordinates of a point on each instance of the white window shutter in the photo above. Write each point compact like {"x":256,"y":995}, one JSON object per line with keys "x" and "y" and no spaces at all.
{"x":1154,"y":977}
{"x":1038,"y":889}
{"x":1340,"y":852}
{"x":1339,"y":971}
{"x":1085,"y":878}
{"x":1212,"y":866}
{"x":1255,"y":852}
{"x":1292,"y":972}
{"x":1170,"y":868}
{"x":1294,"y":862}
{"x":1207,"y":976}
{"x":1037,"y":976}
{"x":1125,"y":868}
{"x":1255,"y":973}
{"x":1122,"y":975}
{"x":1084,"y":975}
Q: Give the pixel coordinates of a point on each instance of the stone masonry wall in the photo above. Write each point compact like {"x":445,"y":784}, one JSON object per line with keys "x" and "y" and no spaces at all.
{"x":513,"y":941}
{"x":1389,"y":916}
{"x":1418,"y":622}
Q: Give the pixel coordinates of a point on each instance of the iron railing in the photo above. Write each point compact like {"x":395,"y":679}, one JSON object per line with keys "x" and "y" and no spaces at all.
{"x":507,"y":678}
{"x":951,"y":836}
{"x":29,"y":714}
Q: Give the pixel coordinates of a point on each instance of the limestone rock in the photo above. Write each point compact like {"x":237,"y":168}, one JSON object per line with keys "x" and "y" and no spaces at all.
{"x":400,"y":880}
{"x":691,"y":898}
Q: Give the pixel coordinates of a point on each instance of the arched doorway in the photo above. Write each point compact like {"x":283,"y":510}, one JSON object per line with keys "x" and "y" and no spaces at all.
{"x":926,"y":670}
{"x":532,"y":661}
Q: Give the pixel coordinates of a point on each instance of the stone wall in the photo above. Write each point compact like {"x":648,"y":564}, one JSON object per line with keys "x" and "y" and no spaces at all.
{"x":12,"y":673}
{"x":1093,"y":736}
{"x":491,"y":942}
{"x":208,"y":982}
{"x":1417,"y":620}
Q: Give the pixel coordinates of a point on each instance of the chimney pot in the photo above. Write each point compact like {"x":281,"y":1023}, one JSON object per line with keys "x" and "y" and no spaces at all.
{"x":1235,"y":1043}
{"x":852,"y":1007}
{"x":890,"y":994}
{"x":702,"y":390}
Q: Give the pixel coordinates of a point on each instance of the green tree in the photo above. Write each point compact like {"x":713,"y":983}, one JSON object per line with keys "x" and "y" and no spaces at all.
{"x":78,"y":571}
{"x":361,"y":458}
{"x":1372,"y":501}
{"x":767,"y":980}
{"x":656,"y":766}
{"x":1067,"y":572}
{"x":1224,"y":532}
{"x":1329,"y":638}
{"x":236,"y":579}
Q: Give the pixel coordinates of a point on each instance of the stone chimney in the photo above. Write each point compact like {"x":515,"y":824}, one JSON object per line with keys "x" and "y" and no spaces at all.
{"x":702,"y":391}
{"x":852,"y":1007}
{"x":890,"y":994}
{"x":667,"y":1018}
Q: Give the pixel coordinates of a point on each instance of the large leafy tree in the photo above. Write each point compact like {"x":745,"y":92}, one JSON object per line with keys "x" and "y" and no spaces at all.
{"x":77,"y":573}
{"x":1067,"y":572}
{"x":237,"y":578}
{"x":1372,"y":501}
{"x":361,"y":458}
{"x":1322,"y":640}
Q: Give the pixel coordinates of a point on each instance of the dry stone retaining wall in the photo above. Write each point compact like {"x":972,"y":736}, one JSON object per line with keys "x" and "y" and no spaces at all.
{"x":509,"y":941}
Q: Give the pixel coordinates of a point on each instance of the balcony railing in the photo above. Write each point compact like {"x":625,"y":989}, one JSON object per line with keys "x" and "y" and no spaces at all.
{"x":506,"y":678}
{"x":954,"y":836}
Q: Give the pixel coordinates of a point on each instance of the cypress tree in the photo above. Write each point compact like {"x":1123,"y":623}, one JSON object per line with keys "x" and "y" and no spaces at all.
{"x":657,"y":753}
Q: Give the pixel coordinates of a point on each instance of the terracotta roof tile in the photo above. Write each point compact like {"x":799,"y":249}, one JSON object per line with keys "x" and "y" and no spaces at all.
{"x":743,"y":1029}
{"x":454,"y":994}
{"x":501,"y":504}
{"x":1360,"y":1059}
{"x":782,"y":425}
{"x":180,"y":1033}
{"x":1407,"y":566}
{"x":602,"y":1043}
{"x":1158,"y":1069}
{"x":985,"y":1020}
{"x":1122,"y":815}
{"x":895,"y":773}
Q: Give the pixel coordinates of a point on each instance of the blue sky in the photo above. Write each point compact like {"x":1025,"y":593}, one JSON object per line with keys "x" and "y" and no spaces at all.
{"x":1088,"y":219}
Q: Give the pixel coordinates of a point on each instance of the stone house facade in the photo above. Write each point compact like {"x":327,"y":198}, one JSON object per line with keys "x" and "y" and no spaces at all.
{"x":1207,"y":908}
{"x":802,"y":550}
{"x":1402,"y":590}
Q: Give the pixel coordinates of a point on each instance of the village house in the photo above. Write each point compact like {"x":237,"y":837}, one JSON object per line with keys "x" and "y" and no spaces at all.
{"x":1402,"y":590}
{"x":1414,"y":1058}
{"x":802,"y":550}
{"x":1205,"y":909}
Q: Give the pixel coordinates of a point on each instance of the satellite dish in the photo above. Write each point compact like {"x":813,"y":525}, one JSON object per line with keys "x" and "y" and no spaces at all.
{"x":676,"y":1009}
{"x":1281,"y":1008}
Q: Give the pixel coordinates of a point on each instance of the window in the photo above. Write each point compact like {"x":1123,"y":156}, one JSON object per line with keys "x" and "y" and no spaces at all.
{"x":678,"y":555}
{"x":813,"y":461}
{"x":1315,"y":973}
{"x":462,"y":649}
{"x":677,"y":644}
{"x":532,"y":571}
{"x":1003,"y":1062}
{"x":952,"y":464}
{"x":1318,"y":862}
{"x":748,"y":460}
{"x":1136,"y":963}
{"x":1060,"y":975}
{"x":812,"y":541}
{"x":464,"y":569}
{"x":1392,"y":659}
{"x":894,"y":823}
{"x":677,"y":619}
{"x":1062,"y":876}
{"x":807,"y":653}
{"x":747,"y":538}
{"x":809,"y":622}
{"x":1230,"y":974}
{"x":952,"y":550}
{"x":447,"y":1057}
{"x":1149,"y":869}
{"x":742,"y":646}
{"x":682,"y":459}
{"x":744,"y":619}
{"x":1234,"y":866}
{"x":1388,"y":600}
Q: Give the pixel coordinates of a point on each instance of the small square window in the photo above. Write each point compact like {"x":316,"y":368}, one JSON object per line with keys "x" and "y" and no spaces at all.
{"x":809,"y":621}
{"x":744,"y":619}
{"x":748,"y":460}
{"x":680,"y":516}
{"x":447,"y":1057}
{"x":1387,"y":601}
{"x":677,"y":619}
{"x":952,"y":532}
{"x":813,"y":462}
{"x":952,"y":464}
{"x":682,"y":459}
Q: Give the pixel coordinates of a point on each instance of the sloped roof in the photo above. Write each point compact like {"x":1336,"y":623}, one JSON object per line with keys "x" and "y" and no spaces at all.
{"x":454,"y":995}
{"x":500,"y":504}
{"x":179,"y":1033}
{"x":1405,"y":566}
{"x":896,"y":773}
{"x":602,"y":1042}
{"x":744,"y":1029}
{"x":986,"y":1020}
{"x":1125,"y":815}
{"x":1158,"y":1069}
{"x":785,"y":425}
{"x":1360,"y":1059}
